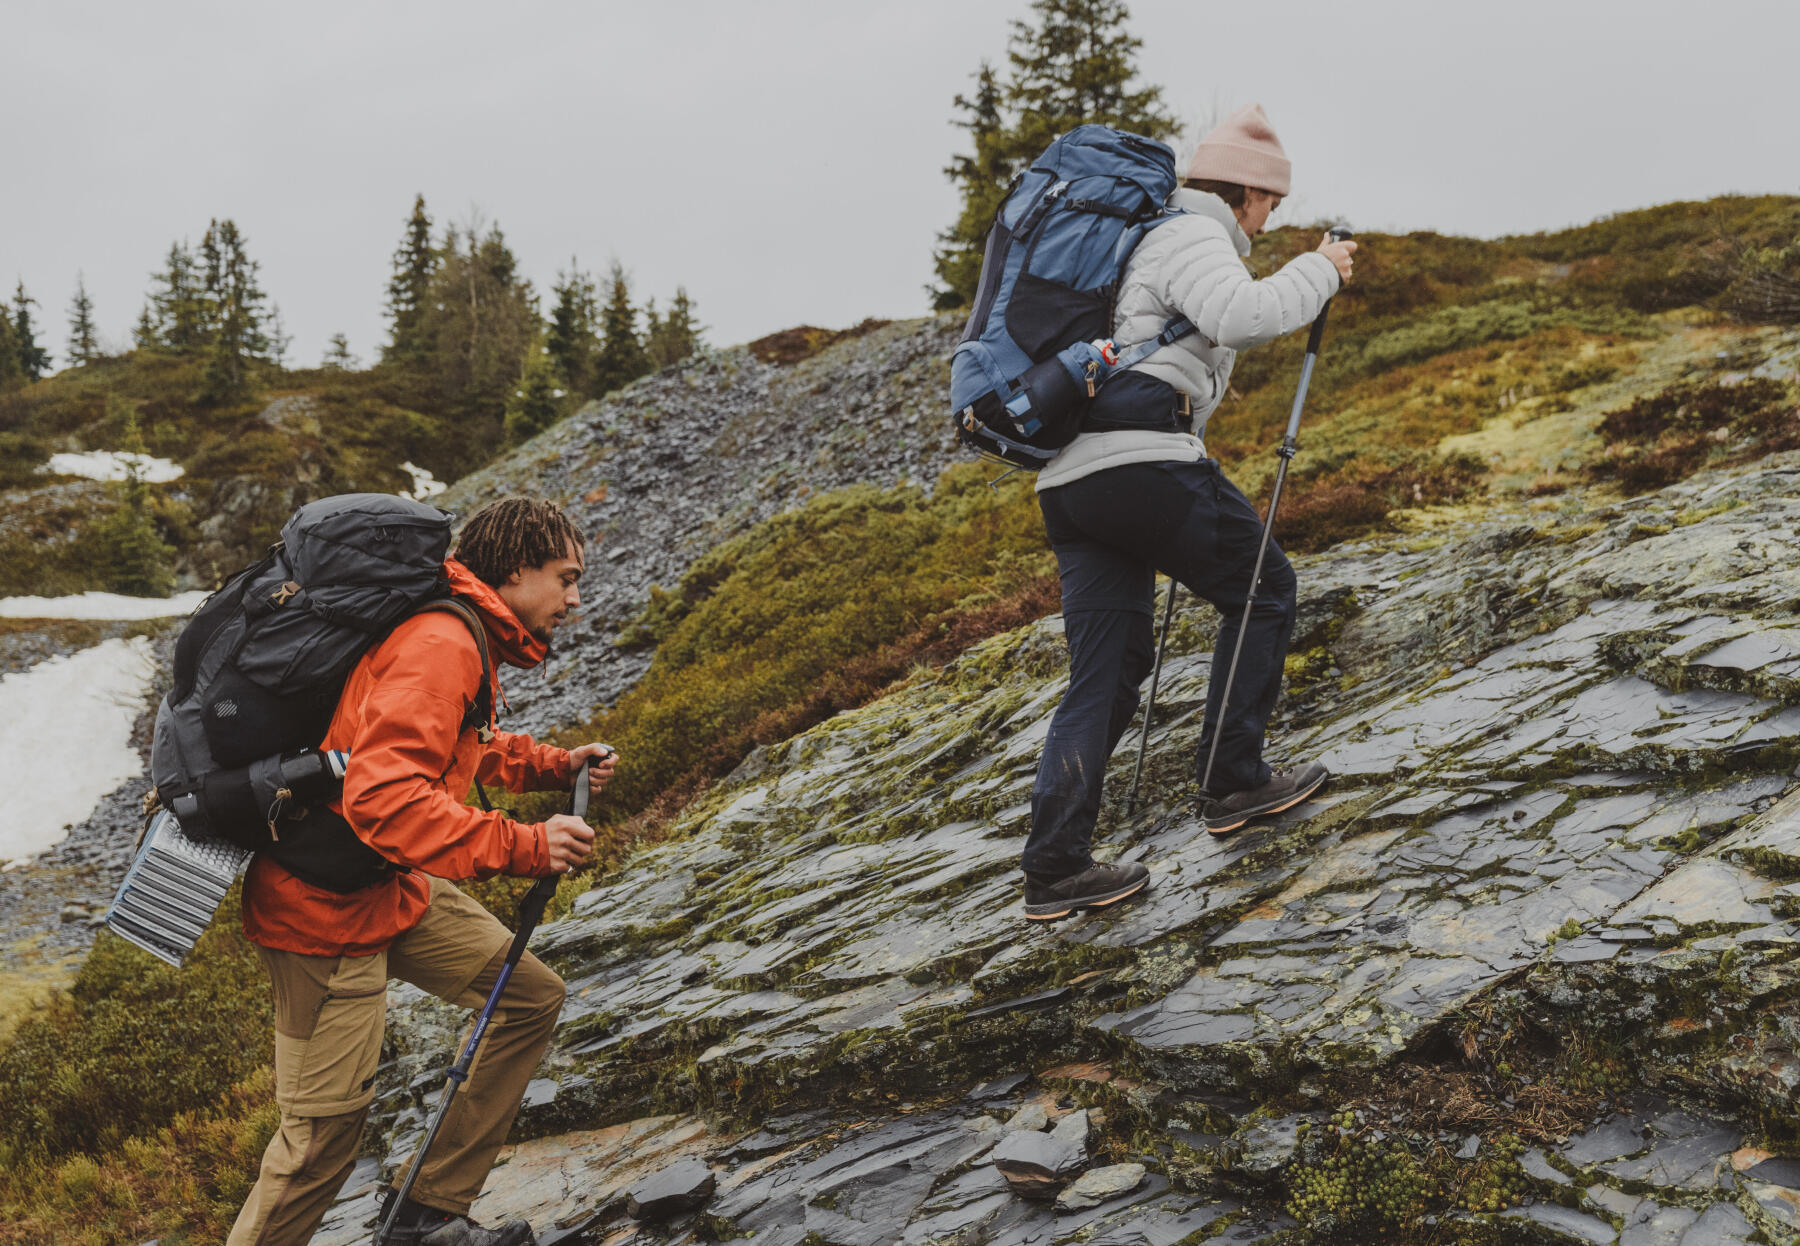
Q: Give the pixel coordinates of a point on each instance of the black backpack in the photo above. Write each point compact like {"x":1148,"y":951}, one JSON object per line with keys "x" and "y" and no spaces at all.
{"x":259,"y":669}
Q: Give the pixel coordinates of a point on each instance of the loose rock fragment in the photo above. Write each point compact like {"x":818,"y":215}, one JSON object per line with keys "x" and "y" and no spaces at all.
{"x":682,"y":1186}
{"x":1265,"y":1147}
{"x":1097,"y":1185}
{"x":1030,"y":1117}
{"x":1073,"y":1128}
{"x":1038,"y":1165}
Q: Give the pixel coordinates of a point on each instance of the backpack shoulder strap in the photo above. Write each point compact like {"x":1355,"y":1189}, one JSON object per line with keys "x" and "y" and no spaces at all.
{"x":481,"y":712}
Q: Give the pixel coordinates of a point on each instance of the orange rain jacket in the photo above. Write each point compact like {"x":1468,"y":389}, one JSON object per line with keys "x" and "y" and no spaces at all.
{"x":410,"y":767}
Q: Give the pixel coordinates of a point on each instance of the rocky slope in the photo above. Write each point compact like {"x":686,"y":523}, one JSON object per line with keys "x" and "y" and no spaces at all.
{"x":1559,"y":854}
{"x":682,"y":460}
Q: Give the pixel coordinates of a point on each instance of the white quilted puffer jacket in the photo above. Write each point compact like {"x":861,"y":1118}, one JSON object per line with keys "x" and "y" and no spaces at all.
{"x":1194,"y":266}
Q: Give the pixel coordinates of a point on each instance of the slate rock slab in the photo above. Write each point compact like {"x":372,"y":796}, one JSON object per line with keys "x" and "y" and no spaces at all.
{"x":1096,"y":1185}
{"x":1720,"y":1225}
{"x":1560,"y":1224}
{"x":1778,"y":1203}
{"x":1266,"y":1146}
{"x":1778,"y":1170}
{"x":1038,"y":1165}
{"x":1031,"y":1117}
{"x":1655,"y":1225}
{"x":1073,"y":1128}
{"x":681,"y":1187}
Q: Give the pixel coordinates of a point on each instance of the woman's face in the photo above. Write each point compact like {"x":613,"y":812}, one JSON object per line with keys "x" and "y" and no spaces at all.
{"x":1255,"y":213}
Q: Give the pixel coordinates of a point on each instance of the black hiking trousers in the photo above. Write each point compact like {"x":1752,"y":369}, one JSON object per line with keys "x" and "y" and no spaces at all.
{"x":1111,"y":532}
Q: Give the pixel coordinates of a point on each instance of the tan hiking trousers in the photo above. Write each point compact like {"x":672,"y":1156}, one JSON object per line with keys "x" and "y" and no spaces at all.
{"x":329,"y":1017}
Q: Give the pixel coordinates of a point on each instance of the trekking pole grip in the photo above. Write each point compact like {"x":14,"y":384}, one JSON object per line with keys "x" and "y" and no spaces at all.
{"x":1337,"y":233}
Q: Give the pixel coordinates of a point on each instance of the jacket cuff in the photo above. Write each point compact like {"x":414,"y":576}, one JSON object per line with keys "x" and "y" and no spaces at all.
{"x":531,"y":851}
{"x":1334,"y":283}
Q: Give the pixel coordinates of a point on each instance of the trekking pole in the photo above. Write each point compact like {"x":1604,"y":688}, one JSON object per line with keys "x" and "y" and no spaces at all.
{"x":531,"y":911}
{"x":1289,"y":447}
{"x":1137,"y":771}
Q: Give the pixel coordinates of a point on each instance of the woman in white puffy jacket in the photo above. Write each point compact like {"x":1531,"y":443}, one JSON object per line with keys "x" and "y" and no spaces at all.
{"x":1135,"y":494}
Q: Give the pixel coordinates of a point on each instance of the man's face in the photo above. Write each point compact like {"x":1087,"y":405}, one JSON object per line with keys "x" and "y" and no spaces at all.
{"x":542,"y":597}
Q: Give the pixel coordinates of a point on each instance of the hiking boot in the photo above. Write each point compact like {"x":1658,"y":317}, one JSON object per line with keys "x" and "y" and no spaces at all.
{"x":420,"y":1225}
{"x":1284,"y":790}
{"x":1093,"y":888}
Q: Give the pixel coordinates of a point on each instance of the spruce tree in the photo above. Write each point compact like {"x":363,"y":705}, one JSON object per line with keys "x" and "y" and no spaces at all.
{"x":12,"y":374}
{"x":134,"y":559}
{"x":622,"y":359}
{"x":532,"y":405}
{"x":480,"y":318}
{"x":181,"y":316}
{"x":209,"y":272}
{"x":277,"y":337}
{"x":981,"y":179}
{"x":570,"y":340}
{"x":337,"y":354}
{"x":1075,"y":66}
{"x":83,"y":347}
{"x":234,"y":300}
{"x":34,"y":360}
{"x":144,"y":334}
{"x":414,"y":263}
{"x":670,"y":339}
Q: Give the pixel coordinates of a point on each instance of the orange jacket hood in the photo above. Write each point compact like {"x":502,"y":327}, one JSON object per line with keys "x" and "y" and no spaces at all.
{"x":512,"y":643}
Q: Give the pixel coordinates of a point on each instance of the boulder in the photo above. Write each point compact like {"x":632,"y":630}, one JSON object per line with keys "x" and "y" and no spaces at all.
{"x":683,"y":1186}
{"x":1038,"y":1165}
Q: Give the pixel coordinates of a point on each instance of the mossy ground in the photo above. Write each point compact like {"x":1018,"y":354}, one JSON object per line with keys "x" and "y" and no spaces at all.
{"x":339,"y":432}
{"x":138,"y":1101}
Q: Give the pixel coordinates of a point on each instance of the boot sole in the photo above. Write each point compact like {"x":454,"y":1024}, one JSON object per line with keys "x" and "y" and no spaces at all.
{"x":1287,"y":804}
{"x":1042,"y":913}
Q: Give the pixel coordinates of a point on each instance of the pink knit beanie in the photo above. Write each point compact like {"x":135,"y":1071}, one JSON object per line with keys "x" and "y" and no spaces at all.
{"x":1243,"y":149}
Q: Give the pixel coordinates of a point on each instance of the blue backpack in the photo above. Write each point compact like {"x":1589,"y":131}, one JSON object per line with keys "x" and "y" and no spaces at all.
{"x":1036,"y":351}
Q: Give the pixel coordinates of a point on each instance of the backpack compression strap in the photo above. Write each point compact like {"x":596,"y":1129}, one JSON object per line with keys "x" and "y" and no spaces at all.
{"x":480,"y":714}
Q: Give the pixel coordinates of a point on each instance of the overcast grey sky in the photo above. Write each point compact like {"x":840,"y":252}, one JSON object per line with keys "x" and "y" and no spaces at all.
{"x":783,"y":158}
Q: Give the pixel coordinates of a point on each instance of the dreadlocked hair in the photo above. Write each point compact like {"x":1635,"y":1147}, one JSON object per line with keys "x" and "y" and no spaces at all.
{"x":512,"y":534}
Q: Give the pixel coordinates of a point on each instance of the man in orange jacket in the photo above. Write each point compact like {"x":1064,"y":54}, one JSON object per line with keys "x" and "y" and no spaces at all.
{"x":404,"y":718}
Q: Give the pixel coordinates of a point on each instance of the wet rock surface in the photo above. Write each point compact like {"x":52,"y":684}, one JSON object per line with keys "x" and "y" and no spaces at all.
{"x":1038,"y":1165}
{"x":1564,"y":749}
{"x":683,"y":1186}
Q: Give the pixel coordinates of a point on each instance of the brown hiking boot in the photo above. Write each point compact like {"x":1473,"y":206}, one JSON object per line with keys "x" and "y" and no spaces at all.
{"x":1093,"y":888}
{"x":1284,"y":790}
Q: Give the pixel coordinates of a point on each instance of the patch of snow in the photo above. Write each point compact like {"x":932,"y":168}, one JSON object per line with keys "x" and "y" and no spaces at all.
{"x":65,"y":739}
{"x":100,"y":606}
{"x":425,"y":485}
{"x":113,"y":465}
